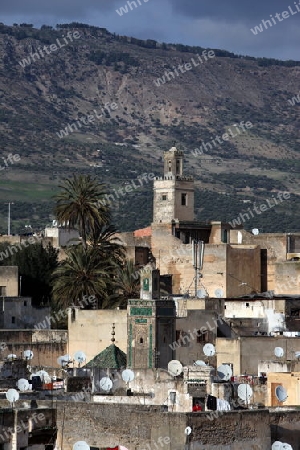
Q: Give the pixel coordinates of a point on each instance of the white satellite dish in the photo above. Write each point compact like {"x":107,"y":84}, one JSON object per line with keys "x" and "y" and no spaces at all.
{"x":201,"y":293}
{"x":277,"y":445}
{"x":80,"y":357}
{"x":224,"y":372}
{"x":175,"y":368}
{"x":64,"y":360}
{"x":219,"y":293}
{"x":44,"y":376}
{"x":127,"y":375}
{"x":209,"y":350}
{"x":255,"y":231}
{"x":281,"y":393}
{"x":199,"y":362}
{"x":297,"y":355}
{"x":23,"y":384}
{"x":245,"y":392}
{"x":279,"y":352}
{"x":286,"y":447}
{"x":81,"y":445}
{"x":12,"y":396}
{"x":106,"y":384}
{"x":188,"y":431}
{"x":11,"y":357}
{"x":28,"y":354}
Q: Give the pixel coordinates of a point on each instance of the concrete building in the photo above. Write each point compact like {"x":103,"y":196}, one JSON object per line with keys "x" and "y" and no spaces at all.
{"x":60,"y":236}
{"x":9,"y":281}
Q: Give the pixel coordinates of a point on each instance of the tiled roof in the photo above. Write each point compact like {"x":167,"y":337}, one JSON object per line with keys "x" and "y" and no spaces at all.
{"x":143,"y":232}
{"x":110,"y":358}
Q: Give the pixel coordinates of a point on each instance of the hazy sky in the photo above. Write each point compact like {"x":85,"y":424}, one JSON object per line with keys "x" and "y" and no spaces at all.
{"x":224,"y":24}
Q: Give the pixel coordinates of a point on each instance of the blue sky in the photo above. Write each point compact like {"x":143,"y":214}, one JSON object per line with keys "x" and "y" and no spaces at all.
{"x":224,"y":24}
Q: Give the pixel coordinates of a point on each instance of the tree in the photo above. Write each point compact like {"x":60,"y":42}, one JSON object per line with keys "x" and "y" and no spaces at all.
{"x":127,"y":283}
{"x":81,"y":204}
{"x":81,"y":275}
{"x":36,"y":264}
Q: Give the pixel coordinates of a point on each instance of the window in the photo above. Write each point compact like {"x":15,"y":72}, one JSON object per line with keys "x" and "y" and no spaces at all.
{"x":164,"y":197}
{"x":141,"y":340}
{"x":13,"y":319}
{"x":247,"y":305}
{"x":170,"y":166}
{"x":25,"y":303}
{"x":184,"y":199}
{"x":177,"y":166}
{"x":202,"y":337}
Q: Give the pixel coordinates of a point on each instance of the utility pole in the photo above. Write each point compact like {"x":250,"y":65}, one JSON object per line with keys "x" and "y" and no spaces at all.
{"x":8,"y":219}
{"x":198,"y":251}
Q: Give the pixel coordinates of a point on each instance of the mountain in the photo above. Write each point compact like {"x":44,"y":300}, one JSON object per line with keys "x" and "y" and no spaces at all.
{"x":79,"y":99}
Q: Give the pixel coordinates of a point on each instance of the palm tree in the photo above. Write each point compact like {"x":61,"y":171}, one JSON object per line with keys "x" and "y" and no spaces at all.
{"x":81,"y":204}
{"x":82,"y":274}
{"x":127,"y":283}
{"x":108,"y":245}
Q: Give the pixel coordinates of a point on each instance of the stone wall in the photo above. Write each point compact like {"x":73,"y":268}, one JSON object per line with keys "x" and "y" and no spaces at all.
{"x":146,"y":427}
{"x":47,"y":345}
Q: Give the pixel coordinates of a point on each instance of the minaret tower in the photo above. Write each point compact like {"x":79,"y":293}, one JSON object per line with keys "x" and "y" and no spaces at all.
{"x":174,"y":192}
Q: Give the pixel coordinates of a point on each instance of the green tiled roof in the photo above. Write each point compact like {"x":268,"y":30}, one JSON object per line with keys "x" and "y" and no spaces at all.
{"x":110,"y":358}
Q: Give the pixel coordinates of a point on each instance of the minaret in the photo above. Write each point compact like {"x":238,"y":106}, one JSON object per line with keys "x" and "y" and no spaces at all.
{"x":151,"y":325}
{"x":174,"y":192}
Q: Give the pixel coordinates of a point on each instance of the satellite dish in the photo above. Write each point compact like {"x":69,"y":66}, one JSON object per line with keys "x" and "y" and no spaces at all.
{"x":23,"y":385}
{"x":199,"y":362}
{"x":281,"y":393}
{"x":80,"y":357}
{"x":224,"y":372}
{"x":81,"y":445}
{"x":255,"y":231}
{"x":28,"y":354}
{"x":245,"y":392}
{"x":64,"y":360}
{"x":11,"y":357}
{"x":127,"y":375}
{"x":279,"y":352}
{"x":277,"y":445}
{"x":175,"y":368}
{"x":219,"y":293}
{"x":122,"y":448}
{"x":297,"y":355}
{"x":106,"y":384}
{"x":209,"y":350}
{"x":287,"y":447}
{"x":12,"y":395}
{"x":188,"y":431}
{"x":201,"y":293}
